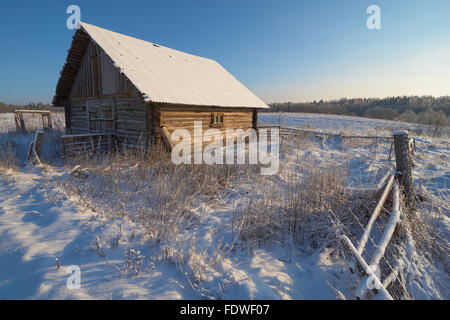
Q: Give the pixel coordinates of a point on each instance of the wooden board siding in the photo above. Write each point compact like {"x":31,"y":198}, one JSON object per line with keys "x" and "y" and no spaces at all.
{"x":97,"y":76}
{"x":92,"y":116}
{"x":130,"y":118}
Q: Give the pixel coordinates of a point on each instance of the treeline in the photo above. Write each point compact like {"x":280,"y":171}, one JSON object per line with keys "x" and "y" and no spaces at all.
{"x":4,"y":107}
{"x":425,"y":110}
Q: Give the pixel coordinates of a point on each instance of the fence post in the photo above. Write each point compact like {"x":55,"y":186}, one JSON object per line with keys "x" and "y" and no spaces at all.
{"x":20,"y":123}
{"x":404,"y":165}
{"x":16,"y":120}
{"x":49,"y":121}
{"x":38,"y":142}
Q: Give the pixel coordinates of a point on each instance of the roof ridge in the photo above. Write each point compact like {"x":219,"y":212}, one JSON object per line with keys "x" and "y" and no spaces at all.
{"x":139,"y":39}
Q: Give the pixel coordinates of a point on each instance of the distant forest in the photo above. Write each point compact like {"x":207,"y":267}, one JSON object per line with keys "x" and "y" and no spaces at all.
{"x":4,"y":107}
{"x":425,"y":110}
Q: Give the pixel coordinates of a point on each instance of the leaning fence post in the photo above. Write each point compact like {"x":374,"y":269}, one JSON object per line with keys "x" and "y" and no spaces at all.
{"x":16,"y":120}
{"x":404,"y":165}
{"x":38,"y":141}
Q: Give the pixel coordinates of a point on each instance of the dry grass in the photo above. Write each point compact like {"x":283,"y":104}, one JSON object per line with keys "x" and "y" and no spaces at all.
{"x":298,"y":210}
{"x":416,"y":248}
{"x":160,"y":199}
{"x":424,"y":225}
{"x":8,"y":158}
{"x":14,"y":146}
{"x":149,"y":189}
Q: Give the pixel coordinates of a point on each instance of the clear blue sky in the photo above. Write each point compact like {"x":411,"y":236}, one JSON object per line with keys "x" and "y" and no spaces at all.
{"x":281,"y":50}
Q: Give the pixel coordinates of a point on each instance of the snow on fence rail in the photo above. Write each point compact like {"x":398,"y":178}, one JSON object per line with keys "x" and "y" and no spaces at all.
{"x":369,"y":271}
{"x":371,"y":277}
{"x":401,"y":176}
{"x":374,"y":216}
{"x":390,"y":228}
{"x":287,"y":130}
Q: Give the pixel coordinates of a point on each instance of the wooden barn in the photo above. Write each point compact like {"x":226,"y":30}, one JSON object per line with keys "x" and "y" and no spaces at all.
{"x":134,"y":89}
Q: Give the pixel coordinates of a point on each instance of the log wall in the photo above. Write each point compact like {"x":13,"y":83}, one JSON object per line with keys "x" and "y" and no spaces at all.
{"x":183,"y":117}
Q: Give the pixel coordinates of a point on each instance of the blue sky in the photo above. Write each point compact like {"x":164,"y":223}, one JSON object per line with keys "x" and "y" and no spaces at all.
{"x":281,"y":50}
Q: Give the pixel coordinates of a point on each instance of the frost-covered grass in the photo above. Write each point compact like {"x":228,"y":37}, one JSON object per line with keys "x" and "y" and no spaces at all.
{"x":207,"y":220}
{"x":141,"y":227}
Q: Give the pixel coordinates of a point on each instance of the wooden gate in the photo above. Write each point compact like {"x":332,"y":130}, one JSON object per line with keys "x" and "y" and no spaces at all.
{"x":101,"y":115}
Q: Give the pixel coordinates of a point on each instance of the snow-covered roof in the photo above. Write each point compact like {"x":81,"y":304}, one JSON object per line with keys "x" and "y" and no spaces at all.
{"x":166,"y":75}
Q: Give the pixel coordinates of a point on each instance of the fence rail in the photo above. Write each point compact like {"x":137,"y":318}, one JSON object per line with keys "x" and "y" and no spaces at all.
{"x":288,"y":130}
{"x":384,"y":241}
{"x":401,"y":176}
{"x":46,"y":117}
{"x":73,"y":145}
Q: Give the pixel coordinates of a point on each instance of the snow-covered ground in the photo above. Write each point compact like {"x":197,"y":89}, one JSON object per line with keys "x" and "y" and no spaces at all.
{"x":432,"y":158}
{"x":38,"y":225}
{"x":41,"y":220}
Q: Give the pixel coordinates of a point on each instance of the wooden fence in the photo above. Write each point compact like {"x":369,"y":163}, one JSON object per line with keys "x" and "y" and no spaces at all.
{"x":401,"y":177}
{"x":73,"y":145}
{"x":396,"y":181}
{"x":285,"y":131}
{"x":46,"y":118}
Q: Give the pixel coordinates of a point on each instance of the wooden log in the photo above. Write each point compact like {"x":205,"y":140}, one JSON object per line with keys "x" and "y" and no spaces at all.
{"x":367,"y":137}
{"x":37,"y":158}
{"x":404,"y":165}
{"x":390,"y":228}
{"x":166,"y":138}
{"x":78,"y":172}
{"x":33,"y":111}
{"x":366,"y":268}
